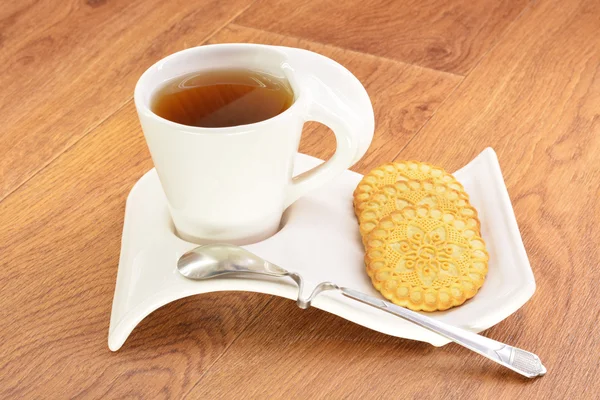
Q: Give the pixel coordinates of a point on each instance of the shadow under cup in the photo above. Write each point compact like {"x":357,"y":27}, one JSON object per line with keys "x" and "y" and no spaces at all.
{"x":223,"y":184}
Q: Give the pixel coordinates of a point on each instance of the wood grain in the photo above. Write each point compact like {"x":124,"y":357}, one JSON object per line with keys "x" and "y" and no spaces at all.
{"x":65,"y":67}
{"x":531,"y":91}
{"x":538,"y":108}
{"x":445,"y":35}
{"x":404,"y":96}
{"x":289,"y":353}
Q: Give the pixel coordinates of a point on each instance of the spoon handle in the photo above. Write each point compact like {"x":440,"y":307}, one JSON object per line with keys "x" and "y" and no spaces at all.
{"x":520,"y":361}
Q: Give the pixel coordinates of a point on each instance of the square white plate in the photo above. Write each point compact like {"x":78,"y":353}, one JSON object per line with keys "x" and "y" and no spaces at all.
{"x":319,"y":240}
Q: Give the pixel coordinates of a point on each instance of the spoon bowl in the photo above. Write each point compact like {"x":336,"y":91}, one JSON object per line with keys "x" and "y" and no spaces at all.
{"x":211,"y":260}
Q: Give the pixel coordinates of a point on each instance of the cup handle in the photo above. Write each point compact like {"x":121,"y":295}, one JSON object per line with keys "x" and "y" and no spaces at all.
{"x":344,"y":106}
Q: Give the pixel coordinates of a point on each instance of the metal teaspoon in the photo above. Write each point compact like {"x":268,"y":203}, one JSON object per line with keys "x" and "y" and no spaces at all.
{"x":214,"y":260}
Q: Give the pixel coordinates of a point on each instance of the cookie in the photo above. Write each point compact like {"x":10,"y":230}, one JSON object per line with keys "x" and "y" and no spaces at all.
{"x":388,"y":174}
{"x":401,"y":194}
{"x":426,"y":259}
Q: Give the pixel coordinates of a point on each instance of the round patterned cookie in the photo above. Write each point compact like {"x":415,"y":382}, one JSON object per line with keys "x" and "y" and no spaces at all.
{"x":426,"y":259}
{"x":391,"y":173}
{"x":411,"y":193}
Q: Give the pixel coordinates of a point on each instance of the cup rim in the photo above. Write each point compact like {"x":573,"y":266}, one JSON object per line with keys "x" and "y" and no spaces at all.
{"x":144,"y":108}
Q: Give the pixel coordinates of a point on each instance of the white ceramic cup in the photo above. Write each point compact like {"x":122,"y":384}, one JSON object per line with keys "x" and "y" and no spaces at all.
{"x":232,"y":184}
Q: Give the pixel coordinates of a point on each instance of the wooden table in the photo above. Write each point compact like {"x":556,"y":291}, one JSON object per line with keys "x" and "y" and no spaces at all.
{"x":447,"y":79}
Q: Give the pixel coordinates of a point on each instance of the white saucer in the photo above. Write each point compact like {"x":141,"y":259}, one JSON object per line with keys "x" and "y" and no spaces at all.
{"x":319,"y":240}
